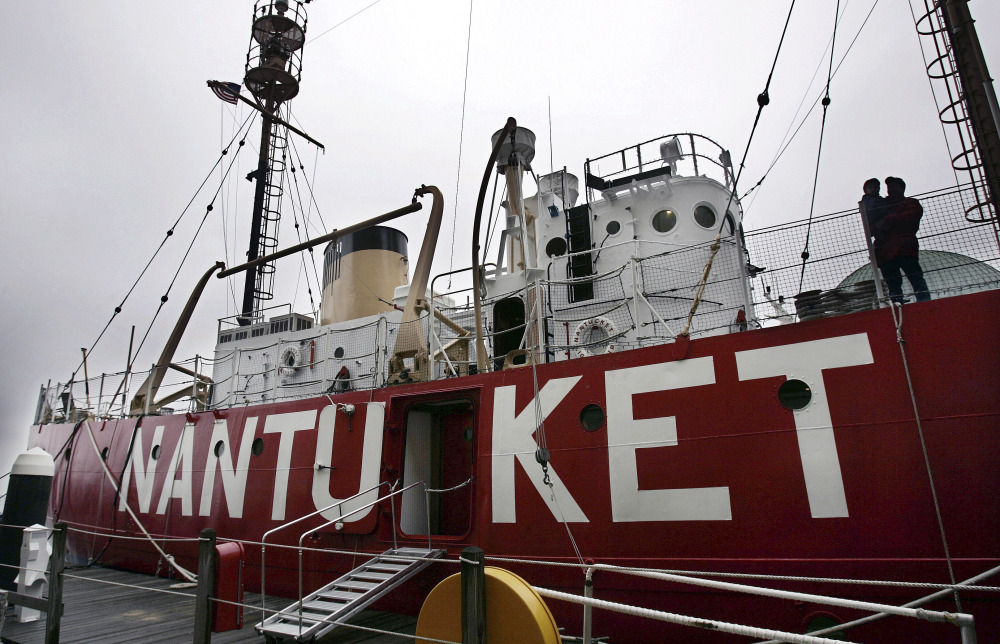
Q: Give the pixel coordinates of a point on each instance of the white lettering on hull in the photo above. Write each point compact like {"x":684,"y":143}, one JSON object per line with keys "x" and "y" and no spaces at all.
{"x":232,"y":468}
{"x":371,"y":461}
{"x":144,"y":478}
{"x":512,"y":438}
{"x":286,"y":425}
{"x":179,"y":488}
{"x":512,"y":441}
{"x":813,"y":424}
{"x":626,"y":434}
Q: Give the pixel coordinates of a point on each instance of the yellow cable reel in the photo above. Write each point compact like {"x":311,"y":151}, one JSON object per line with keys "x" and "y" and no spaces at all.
{"x":514,"y":611}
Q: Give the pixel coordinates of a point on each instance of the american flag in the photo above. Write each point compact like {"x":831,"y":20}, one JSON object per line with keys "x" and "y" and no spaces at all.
{"x":226,"y":91}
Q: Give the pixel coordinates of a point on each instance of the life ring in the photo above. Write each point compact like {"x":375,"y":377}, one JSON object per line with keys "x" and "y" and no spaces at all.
{"x":583,"y":332}
{"x":290,"y":361}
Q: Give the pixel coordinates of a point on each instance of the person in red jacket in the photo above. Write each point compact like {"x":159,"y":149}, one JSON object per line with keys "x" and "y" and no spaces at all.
{"x":897,"y":255}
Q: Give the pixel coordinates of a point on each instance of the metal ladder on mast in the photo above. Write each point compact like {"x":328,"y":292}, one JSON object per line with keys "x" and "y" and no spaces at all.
{"x":316,"y":614}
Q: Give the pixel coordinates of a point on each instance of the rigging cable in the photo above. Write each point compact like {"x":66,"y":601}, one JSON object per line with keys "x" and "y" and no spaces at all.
{"x":534,"y":319}
{"x":312,"y":193}
{"x":166,"y":295}
{"x":819,"y":150}
{"x":762,"y":100}
{"x":461,"y":138}
{"x":489,"y":222}
{"x":170,"y":232}
{"x":836,"y":69}
{"x":225,"y":232}
{"x":305,"y":223}
{"x":312,"y":201}
{"x":805,"y":95}
{"x":298,"y":233}
{"x":356,"y":13}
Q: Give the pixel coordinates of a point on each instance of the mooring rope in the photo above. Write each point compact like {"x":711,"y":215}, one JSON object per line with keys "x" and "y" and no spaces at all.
{"x":898,"y":322}
{"x":187,"y":574}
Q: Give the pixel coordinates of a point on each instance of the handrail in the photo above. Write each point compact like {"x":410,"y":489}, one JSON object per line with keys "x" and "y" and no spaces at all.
{"x":263,"y":540}
{"x":344,"y":516}
{"x":391,"y":496}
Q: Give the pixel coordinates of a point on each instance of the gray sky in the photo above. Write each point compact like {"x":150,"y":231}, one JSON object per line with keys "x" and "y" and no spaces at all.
{"x":110,"y":130}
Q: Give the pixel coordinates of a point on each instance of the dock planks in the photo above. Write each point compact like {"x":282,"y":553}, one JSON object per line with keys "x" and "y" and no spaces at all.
{"x":134,"y":613}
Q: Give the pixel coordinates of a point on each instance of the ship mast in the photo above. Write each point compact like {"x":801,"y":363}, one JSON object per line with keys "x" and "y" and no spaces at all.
{"x":273,"y":72}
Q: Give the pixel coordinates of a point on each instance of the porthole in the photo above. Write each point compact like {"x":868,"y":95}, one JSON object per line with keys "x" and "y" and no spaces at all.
{"x":592,"y":417}
{"x":338,"y":353}
{"x":794,"y":394}
{"x":104,"y":454}
{"x":705,"y":216}
{"x":257,"y":447}
{"x":556,"y":247}
{"x":664,"y":221}
{"x":155,"y":454}
{"x":613,"y":227}
{"x":730,"y":223}
{"x":220,"y":449}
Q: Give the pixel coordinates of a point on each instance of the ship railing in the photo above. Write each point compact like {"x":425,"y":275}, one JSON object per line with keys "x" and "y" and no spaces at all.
{"x":703,"y":579}
{"x":339,"y":505}
{"x":957,"y":256}
{"x":107,"y":395}
{"x":237,"y":321}
{"x":964,"y":621}
{"x":646,"y":292}
{"x":602,"y":172}
{"x":338,"y":520}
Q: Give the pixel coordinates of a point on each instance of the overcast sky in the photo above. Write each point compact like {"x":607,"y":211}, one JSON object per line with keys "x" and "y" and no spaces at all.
{"x":110,"y":129}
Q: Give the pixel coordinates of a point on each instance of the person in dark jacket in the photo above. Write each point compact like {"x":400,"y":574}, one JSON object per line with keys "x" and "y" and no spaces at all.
{"x":897,"y":254}
{"x":874,"y":207}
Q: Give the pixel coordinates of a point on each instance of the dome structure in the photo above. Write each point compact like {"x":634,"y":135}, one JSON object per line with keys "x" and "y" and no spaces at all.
{"x":946,"y":274}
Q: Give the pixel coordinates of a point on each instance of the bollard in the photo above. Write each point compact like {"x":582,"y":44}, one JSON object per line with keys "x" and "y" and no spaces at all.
{"x":473,"y":596}
{"x":30,"y":579}
{"x":206,"y":582}
{"x":27,"y":503}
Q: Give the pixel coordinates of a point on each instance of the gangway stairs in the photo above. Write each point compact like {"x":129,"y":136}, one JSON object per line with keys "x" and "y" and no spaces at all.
{"x":347,"y":596}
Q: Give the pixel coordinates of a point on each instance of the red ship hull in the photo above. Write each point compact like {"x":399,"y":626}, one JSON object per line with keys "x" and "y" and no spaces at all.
{"x":707,"y":471}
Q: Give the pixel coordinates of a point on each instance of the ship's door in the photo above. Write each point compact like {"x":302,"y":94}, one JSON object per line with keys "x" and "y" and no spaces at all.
{"x":438,"y":450}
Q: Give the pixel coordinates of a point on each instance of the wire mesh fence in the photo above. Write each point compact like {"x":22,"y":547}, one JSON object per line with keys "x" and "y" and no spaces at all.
{"x":956,"y":255}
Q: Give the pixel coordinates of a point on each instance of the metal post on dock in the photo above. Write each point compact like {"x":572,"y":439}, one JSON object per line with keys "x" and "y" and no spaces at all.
{"x":206,"y":582}
{"x":473,"y":596}
{"x":53,"y":613}
{"x":3,"y":609}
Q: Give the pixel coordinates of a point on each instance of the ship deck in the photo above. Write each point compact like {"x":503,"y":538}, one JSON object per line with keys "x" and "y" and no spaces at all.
{"x":116,"y":606}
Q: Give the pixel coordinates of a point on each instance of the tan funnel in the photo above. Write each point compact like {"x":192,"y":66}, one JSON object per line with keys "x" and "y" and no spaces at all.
{"x":360,"y":273}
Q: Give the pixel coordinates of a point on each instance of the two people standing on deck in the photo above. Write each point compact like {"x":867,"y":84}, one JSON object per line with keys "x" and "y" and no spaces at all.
{"x":893,"y":222}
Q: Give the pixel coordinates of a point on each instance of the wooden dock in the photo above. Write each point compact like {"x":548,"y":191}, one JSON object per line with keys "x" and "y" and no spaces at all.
{"x":115,"y":606}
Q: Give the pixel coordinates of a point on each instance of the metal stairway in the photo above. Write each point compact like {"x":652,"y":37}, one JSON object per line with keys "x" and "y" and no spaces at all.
{"x":347,"y":596}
